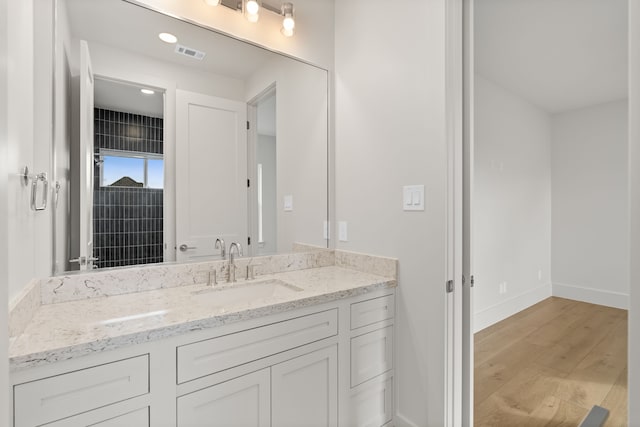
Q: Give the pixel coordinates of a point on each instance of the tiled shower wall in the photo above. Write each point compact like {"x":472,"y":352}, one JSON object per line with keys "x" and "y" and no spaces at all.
{"x":128,"y":223}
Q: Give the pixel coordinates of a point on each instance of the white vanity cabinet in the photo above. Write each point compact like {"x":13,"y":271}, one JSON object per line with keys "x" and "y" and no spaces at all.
{"x":371,"y":362}
{"x":326,"y":365}
{"x":241,"y":402}
{"x":305,"y":390}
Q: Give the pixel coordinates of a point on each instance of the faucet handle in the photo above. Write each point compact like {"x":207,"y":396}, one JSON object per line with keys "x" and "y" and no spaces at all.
{"x":213,"y":273}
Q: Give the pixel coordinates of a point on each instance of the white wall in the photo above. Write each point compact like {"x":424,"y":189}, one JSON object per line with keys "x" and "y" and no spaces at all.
{"x":390,"y":132}
{"x":313,"y":41}
{"x":512,"y":211}
{"x":590,"y":207}
{"x":20,"y":95}
{"x":112,"y":62}
{"x":634,"y":210}
{"x":4,"y":258}
{"x":301,"y":130}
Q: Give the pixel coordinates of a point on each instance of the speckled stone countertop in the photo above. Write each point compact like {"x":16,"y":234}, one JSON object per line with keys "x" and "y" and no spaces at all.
{"x":75,"y":328}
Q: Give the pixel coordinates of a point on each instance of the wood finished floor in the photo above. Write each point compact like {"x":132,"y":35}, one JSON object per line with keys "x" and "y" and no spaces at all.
{"x":549,"y":364}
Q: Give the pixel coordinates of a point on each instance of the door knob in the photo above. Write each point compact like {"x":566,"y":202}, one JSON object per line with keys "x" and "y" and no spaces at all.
{"x":184,"y":248}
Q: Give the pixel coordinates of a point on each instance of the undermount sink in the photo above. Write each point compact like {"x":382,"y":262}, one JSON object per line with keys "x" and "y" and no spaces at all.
{"x":223,"y":295}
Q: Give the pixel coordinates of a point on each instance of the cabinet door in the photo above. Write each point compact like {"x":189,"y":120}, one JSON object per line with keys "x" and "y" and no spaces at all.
{"x":240,"y":402}
{"x":305,"y":390}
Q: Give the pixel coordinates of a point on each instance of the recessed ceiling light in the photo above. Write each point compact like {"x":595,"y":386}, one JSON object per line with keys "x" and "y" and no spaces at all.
{"x":147,"y":91}
{"x":168,"y":38}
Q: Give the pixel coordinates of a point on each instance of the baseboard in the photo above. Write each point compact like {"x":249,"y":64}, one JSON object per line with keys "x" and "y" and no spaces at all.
{"x":400,"y":421}
{"x":487,"y":317}
{"x":590,"y":295}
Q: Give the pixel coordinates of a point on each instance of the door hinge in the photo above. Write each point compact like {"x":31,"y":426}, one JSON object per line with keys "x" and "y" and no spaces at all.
{"x":248,"y":240}
{"x":473,"y":281}
{"x":449,"y":286}
{"x":248,"y":183}
{"x":464,"y":280}
{"x":248,"y":126}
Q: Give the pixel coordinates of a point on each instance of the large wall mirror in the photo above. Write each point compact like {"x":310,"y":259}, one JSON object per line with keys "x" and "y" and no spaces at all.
{"x":161,"y":150}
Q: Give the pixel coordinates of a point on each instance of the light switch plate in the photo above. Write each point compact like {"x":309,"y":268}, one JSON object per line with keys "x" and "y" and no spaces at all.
{"x":342,"y":231}
{"x":413,"y":197}
{"x":288,"y":203}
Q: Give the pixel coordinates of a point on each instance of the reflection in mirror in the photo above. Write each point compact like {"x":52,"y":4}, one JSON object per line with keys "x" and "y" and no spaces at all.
{"x":160,"y":149}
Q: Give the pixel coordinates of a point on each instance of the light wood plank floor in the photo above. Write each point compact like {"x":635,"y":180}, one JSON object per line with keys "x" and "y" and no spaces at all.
{"x":549,"y":364}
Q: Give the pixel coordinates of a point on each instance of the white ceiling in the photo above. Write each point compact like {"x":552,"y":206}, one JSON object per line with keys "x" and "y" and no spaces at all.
{"x":125,"y":26}
{"x":118,"y":96}
{"x":558,"y":54}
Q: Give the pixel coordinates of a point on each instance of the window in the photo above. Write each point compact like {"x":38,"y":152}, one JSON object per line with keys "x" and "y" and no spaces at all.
{"x":131,"y":169}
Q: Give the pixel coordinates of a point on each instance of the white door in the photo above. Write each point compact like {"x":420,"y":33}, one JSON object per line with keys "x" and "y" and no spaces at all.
{"x":211,"y":174}
{"x":304,"y":390}
{"x":240,"y":402}
{"x":85,"y":258}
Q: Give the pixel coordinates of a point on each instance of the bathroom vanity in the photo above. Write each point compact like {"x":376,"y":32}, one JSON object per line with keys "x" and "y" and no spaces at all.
{"x":296,"y":346}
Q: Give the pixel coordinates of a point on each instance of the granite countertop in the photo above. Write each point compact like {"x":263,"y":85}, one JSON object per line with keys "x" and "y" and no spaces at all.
{"x":71,"y":329}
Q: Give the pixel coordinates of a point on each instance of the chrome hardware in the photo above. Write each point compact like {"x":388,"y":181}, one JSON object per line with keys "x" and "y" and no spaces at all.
{"x":223,"y":249}
{"x":251,"y":274}
{"x":213,"y":273}
{"x":449,"y":286}
{"x":35,"y":179}
{"x":184,"y":247}
{"x":80,"y":260}
{"x":56,"y":194}
{"x":232,"y":267}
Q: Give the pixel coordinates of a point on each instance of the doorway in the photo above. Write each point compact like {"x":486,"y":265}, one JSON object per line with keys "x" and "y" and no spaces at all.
{"x":549,"y":136}
{"x":128,"y":195}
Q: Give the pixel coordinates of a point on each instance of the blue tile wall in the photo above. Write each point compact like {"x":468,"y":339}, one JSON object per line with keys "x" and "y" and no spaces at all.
{"x":128,"y":222}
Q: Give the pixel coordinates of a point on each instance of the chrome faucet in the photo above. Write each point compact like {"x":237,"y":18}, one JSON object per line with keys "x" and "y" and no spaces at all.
{"x":223,"y":250}
{"x":232,"y":267}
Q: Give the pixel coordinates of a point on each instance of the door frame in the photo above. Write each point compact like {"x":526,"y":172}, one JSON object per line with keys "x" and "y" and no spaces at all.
{"x":252,"y":146}
{"x":462,"y":60}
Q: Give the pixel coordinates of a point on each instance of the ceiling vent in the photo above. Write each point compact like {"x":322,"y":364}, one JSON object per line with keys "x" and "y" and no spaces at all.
{"x":191,"y":53}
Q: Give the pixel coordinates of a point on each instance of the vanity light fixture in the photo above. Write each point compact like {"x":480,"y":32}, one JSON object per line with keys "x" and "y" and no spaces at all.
{"x":147,"y":91}
{"x":168,"y":38}
{"x":288,"y":23}
{"x":252,"y":10}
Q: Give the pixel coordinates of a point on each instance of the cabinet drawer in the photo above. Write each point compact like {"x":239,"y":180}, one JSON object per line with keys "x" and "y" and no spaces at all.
{"x":371,"y":355}
{"x":41,"y":401}
{"x":371,"y":404}
{"x":214,"y":355}
{"x":137,"y":418}
{"x":371,"y":311}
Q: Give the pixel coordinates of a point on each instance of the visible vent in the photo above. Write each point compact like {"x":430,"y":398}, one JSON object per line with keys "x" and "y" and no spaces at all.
{"x":191,"y":53}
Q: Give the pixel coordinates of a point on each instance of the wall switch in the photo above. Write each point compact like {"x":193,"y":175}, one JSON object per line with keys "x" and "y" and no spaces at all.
{"x":342,"y":231}
{"x":413,"y":197}
{"x":325,"y":231}
{"x":288,"y":203}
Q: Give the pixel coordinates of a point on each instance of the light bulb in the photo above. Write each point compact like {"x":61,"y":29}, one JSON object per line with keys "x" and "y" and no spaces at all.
{"x":288,"y":23}
{"x":212,"y":2}
{"x":252,"y":8}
